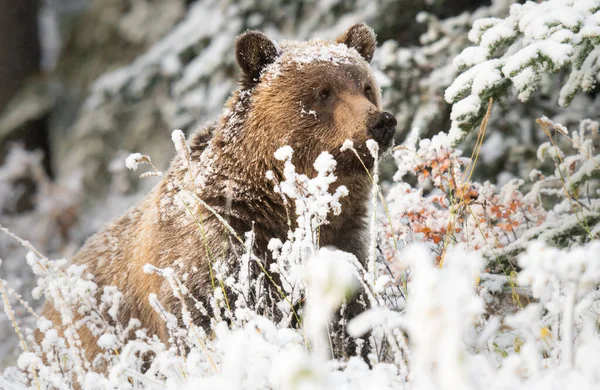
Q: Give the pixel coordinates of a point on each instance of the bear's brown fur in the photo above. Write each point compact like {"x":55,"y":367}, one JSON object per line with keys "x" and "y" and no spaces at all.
{"x":310,"y":95}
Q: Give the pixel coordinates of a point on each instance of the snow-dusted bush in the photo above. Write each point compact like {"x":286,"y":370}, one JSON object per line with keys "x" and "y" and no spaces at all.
{"x":560,"y":205}
{"x":534,"y":41}
{"x":430,"y":322}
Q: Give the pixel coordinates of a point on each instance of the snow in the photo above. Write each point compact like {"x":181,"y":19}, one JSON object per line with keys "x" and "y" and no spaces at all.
{"x":181,"y":146}
{"x":324,"y":163}
{"x":108,"y":341}
{"x":471,"y":56}
{"x":331,"y":279}
{"x":373,"y":147}
{"x":284,"y":153}
{"x":29,"y":361}
{"x":493,"y":148}
{"x":298,"y":54}
{"x":133,"y":160}
{"x":348,"y":144}
{"x":208,"y":61}
{"x":536,"y":39}
{"x":466,"y":106}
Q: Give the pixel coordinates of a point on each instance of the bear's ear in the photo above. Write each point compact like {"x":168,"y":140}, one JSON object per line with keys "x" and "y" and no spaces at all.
{"x":362,"y":38}
{"x":253,"y":51}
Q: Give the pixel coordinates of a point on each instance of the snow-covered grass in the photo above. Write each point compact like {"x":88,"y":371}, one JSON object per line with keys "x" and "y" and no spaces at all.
{"x":438,"y":317}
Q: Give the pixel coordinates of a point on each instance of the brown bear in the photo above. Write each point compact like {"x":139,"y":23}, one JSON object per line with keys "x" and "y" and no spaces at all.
{"x":310,"y":95}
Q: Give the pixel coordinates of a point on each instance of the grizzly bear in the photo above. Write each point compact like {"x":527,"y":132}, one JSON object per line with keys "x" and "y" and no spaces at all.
{"x":310,"y":95}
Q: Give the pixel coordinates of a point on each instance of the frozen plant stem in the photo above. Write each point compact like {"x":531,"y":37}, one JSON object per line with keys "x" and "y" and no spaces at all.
{"x":374,"y":149}
{"x":568,"y":324}
{"x":8,"y":310}
{"x":559,"y":161}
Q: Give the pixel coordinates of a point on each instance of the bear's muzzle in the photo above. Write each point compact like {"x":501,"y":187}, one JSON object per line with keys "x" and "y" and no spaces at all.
{"x":382,"y":126}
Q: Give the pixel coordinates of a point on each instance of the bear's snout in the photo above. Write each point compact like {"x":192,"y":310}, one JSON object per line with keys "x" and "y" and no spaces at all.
{"x":382,"y":125}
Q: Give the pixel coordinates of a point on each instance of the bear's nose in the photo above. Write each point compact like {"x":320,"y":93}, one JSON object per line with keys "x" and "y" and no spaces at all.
{"x":382,"y":126}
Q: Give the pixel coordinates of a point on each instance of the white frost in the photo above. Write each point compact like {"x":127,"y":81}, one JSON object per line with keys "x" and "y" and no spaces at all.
{"x":133,"y":160}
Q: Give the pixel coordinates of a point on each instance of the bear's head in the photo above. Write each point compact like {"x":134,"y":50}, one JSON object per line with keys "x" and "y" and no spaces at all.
{"x":312,"y":95}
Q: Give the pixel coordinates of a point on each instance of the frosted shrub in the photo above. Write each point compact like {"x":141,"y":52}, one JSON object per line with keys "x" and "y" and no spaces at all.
{"x":311,"y":198}
{"x":455,"y":209}
{"x":415,"y":77}
{"x":441,"y":326}
{"x":313,"y":203}
{"x":429,"y":325}
{"x":450,"y":207}
{"x":520,"y":51}
{"x":332,"y":278}
{"x":192,"y":358}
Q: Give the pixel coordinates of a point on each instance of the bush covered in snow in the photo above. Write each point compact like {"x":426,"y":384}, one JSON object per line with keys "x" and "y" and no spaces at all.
{"x":471,"y":284}
{"x":430,"y":290}
{"x":535,"y":40}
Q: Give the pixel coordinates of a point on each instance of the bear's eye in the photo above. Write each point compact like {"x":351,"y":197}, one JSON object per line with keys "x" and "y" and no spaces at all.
{"x":369,"y":92}
{"x":324,"y":94}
